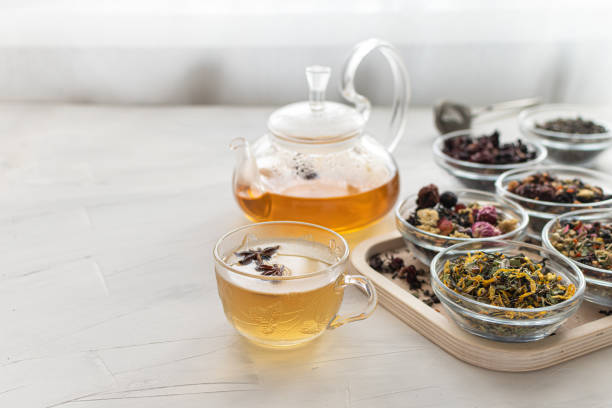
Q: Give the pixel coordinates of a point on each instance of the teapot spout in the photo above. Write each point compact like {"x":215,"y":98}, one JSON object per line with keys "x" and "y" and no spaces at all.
{"x":246,"y":173}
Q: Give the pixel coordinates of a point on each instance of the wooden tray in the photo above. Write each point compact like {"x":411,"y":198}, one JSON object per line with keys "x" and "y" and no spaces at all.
{"x":586,"y":331}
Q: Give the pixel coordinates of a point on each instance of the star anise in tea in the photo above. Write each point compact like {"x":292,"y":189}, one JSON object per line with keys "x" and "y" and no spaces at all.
{"x":258,"y":255}
{"x":271,"y":270}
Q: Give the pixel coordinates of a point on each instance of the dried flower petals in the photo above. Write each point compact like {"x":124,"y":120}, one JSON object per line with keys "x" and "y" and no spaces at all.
{"x":483,"y":229}
{"x":488,"y":213}
{"x":514,"y":282}
{"x":486,"y":149}
{"x":458,"y":220}
{"x":428,"y":216}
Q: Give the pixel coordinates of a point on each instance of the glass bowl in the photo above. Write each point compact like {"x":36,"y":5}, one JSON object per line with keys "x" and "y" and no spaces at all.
{"x":598,"y":280}
{"x":425,"y":245}
{"x":568,"y":148}
{"x":540,"y":212}
{"x":477,"y":175}
{"x":505,"y":323}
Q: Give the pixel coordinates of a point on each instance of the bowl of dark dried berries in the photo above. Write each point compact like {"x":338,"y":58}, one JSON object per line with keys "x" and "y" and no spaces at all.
{"x":585,"y":237}
{"x":572,"y":134}
{"x":507,"y":290}
{"x":431,"y":221}
{"x":477,"y":157}
{"x":547,"y":191}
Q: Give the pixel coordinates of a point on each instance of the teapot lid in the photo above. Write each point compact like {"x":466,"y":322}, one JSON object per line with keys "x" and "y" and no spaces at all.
{"x":317,"y":120}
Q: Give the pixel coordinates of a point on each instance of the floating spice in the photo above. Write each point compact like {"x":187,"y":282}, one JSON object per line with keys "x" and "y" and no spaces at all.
{"x":587,"y":243}
{"x":259,"y":256}
{"x":546,"y":187}
{"x":576,"y":125}
{"x":444,"y":215}
{"x":486,"y":149}
{"x":271,"y":270}
{"x":513,"y":282}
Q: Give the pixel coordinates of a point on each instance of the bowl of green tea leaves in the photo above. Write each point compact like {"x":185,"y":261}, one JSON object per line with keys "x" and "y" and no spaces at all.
{"x":507,"y":290}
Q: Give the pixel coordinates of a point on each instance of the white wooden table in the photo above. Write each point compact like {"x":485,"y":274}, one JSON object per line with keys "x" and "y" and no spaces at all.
{"x":107,"y":294}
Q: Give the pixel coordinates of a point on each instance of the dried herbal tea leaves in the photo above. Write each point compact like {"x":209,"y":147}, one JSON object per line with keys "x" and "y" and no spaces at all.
{"x":587,"y":243}
{"x":498,"y":280}
{"x":416,"y":278}
{"x":606,"y":312}
{"x":486,"y":149}
{"x":572,"y":125}
{"x":547,"y":187}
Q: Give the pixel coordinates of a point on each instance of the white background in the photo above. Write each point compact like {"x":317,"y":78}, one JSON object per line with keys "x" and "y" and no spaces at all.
{"x":254,"y":52}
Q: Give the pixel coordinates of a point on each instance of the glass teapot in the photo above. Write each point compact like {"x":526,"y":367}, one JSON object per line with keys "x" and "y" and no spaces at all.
{"x":316,"y":164}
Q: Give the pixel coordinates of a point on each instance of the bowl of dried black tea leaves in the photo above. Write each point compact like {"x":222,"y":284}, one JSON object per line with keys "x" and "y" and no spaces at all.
{"x":572,"y":134}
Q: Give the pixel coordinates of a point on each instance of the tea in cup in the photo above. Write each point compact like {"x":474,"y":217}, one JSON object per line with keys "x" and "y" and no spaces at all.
{"x":282,"y":283}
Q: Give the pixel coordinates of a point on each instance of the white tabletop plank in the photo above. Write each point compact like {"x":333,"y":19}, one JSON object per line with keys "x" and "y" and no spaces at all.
{"x":108,"y":216}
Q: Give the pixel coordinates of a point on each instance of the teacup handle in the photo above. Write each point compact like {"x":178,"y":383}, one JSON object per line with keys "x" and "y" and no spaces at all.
{"x":367,"y":288}
{"x":401,"y":89}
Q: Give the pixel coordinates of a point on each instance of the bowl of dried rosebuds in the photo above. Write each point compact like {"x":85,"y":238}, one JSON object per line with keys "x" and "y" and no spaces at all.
{"x":430,"y":222}
{"x":476,"y":157}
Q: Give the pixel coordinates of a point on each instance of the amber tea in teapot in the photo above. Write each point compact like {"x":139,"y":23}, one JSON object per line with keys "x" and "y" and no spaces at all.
{"x":342,"y":207}
{"x":317,"y":164}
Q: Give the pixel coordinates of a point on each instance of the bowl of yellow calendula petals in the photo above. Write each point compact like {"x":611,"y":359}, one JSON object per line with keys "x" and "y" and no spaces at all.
{"x":507,"y":290}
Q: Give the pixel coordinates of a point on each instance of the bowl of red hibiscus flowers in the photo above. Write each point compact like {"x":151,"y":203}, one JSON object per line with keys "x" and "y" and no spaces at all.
{"x":430,"y":221}
{"x":476,"y":157}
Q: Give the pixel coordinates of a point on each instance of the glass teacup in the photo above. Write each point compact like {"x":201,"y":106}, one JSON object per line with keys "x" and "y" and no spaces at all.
{"x":281,"y":283}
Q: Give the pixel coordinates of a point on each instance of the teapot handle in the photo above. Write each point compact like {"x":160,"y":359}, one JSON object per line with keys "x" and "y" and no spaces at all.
{"x":401,"y":92}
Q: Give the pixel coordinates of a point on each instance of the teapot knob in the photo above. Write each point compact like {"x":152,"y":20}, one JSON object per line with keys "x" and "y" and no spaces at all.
{"x":317,"y":77}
